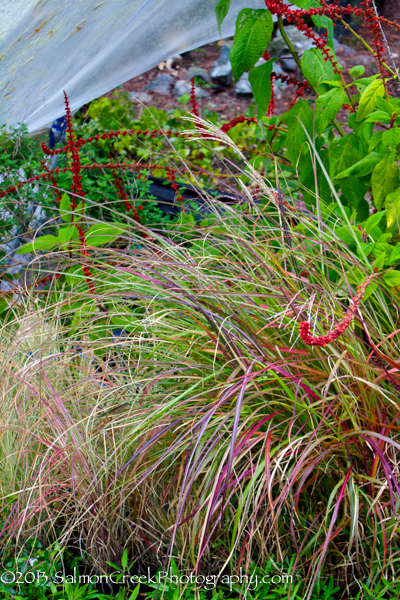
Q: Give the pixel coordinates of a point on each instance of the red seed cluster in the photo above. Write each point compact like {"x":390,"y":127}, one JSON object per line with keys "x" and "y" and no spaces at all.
{"x":324,"y":340}
{"x":121,"y":193}
{"x":174,"y":185}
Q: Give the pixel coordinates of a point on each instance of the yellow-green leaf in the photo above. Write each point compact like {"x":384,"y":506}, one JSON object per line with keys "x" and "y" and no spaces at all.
{"x":368,"y":99}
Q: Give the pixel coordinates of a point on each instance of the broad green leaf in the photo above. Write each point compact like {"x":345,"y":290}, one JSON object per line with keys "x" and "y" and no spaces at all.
{"x":337,"y":84}
{"x":306,"y":4}
{"x":375,"y":140}
{"x":354,"y":190}
{"x":391,"y":137}
{"x":380,"y":261}
{"x":300,"y":114}
{"x":103,"y":233}
{"x":395,"y":256}
{"x":373,"y":221}
{"x":368,"y":99}
{"x":346,"y":235}
{"x":252,"y":36}
{"x":45,"y":242}
{"x":378,"y":116}
{"x":356,"y":71}
{"x":384,"y":106}
{"x":383,"y":180}
{"x":362,"y":167}
{"x":327,"y":23}
{"x":342,"y":154}
{"x":260,"y":81}
{"x":66,"y":234}
{"x":311,"y":173}
{"x":393,"y":216}
{"x":366,"y":248}
{"x":370,"y":290}
{"x":392,"y":198}
{"x":392,"y":278}
{"x":364,"y":133}
{"x":328,"y":105}
{"x":316,"y":70}
{"x":66,"y":209}
{"x":221,"y":10}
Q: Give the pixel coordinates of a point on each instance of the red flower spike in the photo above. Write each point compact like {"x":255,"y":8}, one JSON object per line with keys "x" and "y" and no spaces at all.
{"x":324,"y":340}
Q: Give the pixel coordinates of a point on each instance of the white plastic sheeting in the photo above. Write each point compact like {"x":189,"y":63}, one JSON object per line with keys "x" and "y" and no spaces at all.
{"x":88,"y":47}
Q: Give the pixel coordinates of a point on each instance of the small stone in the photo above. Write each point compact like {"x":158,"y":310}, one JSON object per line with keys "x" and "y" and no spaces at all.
{"x":161,"y":85}
{"x":343,"y":48}
{"x":300,"y":42}
{"x":176,"y":61}
{"x":182,"y":87}
{"x":198,"y":72}
{"x":288,"y":64}
{"x":140,"y":97}
{"x":243,"y":87}
{"x":222,"y":69}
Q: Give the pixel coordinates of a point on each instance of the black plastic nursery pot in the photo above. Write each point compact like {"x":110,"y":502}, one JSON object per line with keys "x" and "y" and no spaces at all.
{"x":167,"y":202}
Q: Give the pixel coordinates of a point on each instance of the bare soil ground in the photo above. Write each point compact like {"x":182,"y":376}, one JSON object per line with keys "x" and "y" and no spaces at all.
{"x":222,"y":99}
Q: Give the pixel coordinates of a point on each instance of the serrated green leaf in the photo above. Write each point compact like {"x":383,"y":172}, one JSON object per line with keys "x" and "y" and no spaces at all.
{"x":391,"y":137}
{"x":373,"y":221}
{"x":378,"y":116}
{"x":322,"y":21}
{"x":300,"y":114}
{"x":315,"y":69}
{"x":370,"y":290}
{"x":366,"y":248}
{"x":345,"y":234}
{"x":395,"y":256}
{"x":392,"y":278}
{"x":342,"y":154}
{"x":68,"y":233}
{"x":260,"y":81}
{"x":221,"y":10}
{"x":385,"y":106}
{"x":368,"y":99}
{"x":362,"y":167}
{"x":375,"y":140}
{"x":45,"y":242}
{"x":356,"y":71}
{"x":393,"y":212}
{"x":331,"y":103}
{"x":383,"y":180}
{"x":66,"y":209}
{"x":380,"y":261}
{"x":252,"y":36}
{"x":337,"y":84}
{"x":103,"y":233}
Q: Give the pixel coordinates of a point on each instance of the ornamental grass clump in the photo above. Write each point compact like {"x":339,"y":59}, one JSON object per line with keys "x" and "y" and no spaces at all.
{"x":178,"y":409}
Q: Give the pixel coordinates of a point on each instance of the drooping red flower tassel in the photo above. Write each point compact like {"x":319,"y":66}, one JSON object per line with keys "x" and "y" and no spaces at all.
{"x":324,"y":340}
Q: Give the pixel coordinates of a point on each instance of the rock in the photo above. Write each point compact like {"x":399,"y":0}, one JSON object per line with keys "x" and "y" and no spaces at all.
{"x":342,"y":48}
{"x":176,"y":61}
{"x":222,"y":69}
{"x":243,"y":87}
{"x":161,"y":85}
{"x":141,"y":97}
{"x":300,"y":43}
{"x":288,"y":64}
{"x":198,"y":72}
{"x":183,"y":87}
